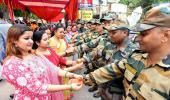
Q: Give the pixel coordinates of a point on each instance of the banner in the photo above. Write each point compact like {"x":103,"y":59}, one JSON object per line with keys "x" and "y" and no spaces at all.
{"x":10,"y":10}
{"x":84,"y":3}
{"x":85,"y":14}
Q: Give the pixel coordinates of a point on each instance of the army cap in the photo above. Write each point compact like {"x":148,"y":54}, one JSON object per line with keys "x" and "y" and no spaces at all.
{"x":92,"y":21}
{"x":159,"y":16}
{"x":97,"y":21}
{"x":80,"y":22}
{"x":121,"y":27}
{"x":106,"y":18}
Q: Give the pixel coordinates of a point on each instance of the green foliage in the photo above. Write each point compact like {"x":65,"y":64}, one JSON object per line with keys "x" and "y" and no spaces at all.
{"x":131,"y":3}
{"x":18,"y":13}
{"x":143,"y":3}
{"x":146,"y":4}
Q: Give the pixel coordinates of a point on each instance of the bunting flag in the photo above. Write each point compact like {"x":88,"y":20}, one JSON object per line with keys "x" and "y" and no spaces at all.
{"x":10,"y":10}
{"x":1,"y":1}
{"x":72,"y":10}
{"x":45,"y":9}
{"x":58,"y":17}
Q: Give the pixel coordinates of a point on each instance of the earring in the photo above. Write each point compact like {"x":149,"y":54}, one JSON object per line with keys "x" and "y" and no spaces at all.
{"x":16,"y":46}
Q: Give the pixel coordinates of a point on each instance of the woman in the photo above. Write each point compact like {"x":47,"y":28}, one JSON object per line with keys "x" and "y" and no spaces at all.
{"x":41,"y":47}
{"x":57,"y":42}
{"x":46,"y":29}
{"x":60,"y":46}
{"x":28,"y":73}
{"x":68,"y":34}
{"x":74,"y":31}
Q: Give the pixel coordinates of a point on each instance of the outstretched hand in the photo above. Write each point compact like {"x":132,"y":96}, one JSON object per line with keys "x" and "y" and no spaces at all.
{"x":79,"y":65}
{"x":70,"y":50}
{"x":87,"y":81}
{"x":76,"y":84}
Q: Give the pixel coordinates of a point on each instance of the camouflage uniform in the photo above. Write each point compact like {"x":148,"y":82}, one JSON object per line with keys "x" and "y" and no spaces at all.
{"x":108,"y":53}
{"x":140,"y":81}
{"x":87,"y":37}
{"x":104,"y":55}
{"x":87,"y":47}
{"x":84,"y":39}
{"x":93,"y":43}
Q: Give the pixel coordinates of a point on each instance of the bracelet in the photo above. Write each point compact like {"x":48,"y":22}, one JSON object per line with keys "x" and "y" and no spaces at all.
{"x":65,"y":52}
{"x":71,"y":88}
{"x":72,"y":76}
{"x":65,"y":74}
{"x":75,"y":49}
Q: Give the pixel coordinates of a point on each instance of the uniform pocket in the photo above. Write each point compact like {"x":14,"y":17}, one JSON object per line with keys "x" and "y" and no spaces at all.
{"x":149,"y":94}
{"x":130,"y":72}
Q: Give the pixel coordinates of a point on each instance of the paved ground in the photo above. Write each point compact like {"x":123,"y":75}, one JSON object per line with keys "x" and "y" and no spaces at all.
{"x":83,"y":94}
{"x":5,"y":90}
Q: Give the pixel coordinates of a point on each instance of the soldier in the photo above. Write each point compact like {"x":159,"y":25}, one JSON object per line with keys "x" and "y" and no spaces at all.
{"x":87,"y":47}
{"x":80,"y":25}
{"x":118,"y":43}
{"x":106,"y":20}
{"x":93,"y":43}
{"x":117,"y":48}
{"x":145,"y":73}
{"x":88,"y":35}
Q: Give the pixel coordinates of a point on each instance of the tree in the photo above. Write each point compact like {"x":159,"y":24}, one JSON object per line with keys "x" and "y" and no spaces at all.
{"x":146,"y":4}
{"x":131,"y":3}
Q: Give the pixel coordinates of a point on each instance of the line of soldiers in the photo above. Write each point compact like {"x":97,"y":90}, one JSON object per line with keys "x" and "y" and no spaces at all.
{"x":118,"y":67}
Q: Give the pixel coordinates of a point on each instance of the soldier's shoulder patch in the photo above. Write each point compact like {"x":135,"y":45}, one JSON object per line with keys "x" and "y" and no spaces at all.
{"x":165,"y":62}
{"x":138,"y":54}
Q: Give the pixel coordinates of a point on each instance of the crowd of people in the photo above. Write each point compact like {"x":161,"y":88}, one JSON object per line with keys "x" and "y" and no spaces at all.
{"x":120,"y":63}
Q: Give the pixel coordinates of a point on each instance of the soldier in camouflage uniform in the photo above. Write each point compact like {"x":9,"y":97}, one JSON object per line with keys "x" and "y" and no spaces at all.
{"x":106,"y":20}
{"x":110,"y":50}
{"x":117,"y":48}
{"x":94,"y":42}
{"x":88,"y":35}
{"x":87,"y":47}
{"x":145,"y":73}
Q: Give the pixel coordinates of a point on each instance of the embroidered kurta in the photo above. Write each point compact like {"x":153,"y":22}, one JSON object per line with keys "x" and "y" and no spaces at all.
{"x":30,"y":77}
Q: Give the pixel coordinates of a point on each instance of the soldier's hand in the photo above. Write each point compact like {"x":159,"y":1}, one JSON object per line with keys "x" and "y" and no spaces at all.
{"x":80,"y":60}
{"x":79,"y":65}
{"x":87,"y":81}
{"x":78,"y":77}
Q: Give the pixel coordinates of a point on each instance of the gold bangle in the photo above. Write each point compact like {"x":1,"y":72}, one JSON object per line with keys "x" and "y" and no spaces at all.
{"x":72,"y":76}
{"x":71,"y":88}
{"x":65,"y":74}
{"x":65,"y":52}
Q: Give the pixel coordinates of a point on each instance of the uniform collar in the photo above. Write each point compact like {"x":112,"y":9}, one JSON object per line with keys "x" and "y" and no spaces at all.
{"x":163,"y":63}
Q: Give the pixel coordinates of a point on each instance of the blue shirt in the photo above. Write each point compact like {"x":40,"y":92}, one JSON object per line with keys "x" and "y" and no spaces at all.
{"x":4,"y":26}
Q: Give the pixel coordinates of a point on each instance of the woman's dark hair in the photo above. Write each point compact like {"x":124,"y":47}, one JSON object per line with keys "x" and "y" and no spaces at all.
{"x":43,"y":27}
{"x":13,"y":35}
{"x":55,"y":29}
{"x":37,"y":36}
{"x":1,"y":15}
